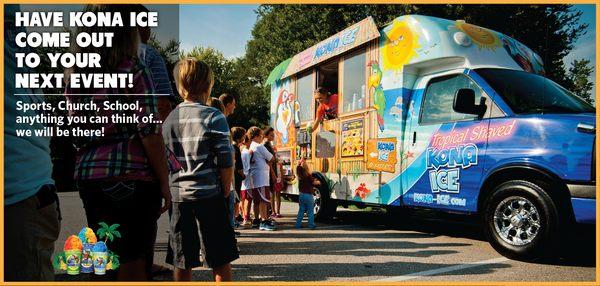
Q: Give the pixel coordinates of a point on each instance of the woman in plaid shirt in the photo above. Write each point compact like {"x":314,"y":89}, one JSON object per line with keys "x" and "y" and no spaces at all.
{"x":122,"y":175}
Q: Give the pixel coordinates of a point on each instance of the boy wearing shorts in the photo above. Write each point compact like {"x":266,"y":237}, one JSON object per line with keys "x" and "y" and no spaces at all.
{"x":198,"y":135}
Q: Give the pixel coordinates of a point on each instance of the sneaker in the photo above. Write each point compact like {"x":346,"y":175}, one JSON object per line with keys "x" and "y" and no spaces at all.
{"x":256,"y":223}
{"x":267,"y":225}
{"x":239,"y":218}
{"x":278,"y":216}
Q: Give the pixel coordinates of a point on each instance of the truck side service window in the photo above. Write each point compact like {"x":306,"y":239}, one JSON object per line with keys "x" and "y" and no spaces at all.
{"x":305,"y":97}
{"x":354,"y":89}
{"x":439,"y":96}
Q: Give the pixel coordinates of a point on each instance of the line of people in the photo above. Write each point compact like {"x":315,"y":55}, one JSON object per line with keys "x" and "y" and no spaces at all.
{"x":207,"y":177}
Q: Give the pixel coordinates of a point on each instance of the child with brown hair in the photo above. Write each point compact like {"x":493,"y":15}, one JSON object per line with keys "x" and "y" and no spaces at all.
{"x":260,"y":178}
{"x":306,"y":201}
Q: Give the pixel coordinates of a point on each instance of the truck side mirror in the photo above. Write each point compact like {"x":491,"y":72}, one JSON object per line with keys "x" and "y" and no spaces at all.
{"x":464,"y":102}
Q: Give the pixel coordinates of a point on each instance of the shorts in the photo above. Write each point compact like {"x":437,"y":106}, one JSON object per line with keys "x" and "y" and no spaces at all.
{"x":134,"y":205}
{"x":246,"y":195}
{"x":278,"y":187}
{"x":31,"y":228}
{"x":201,"y":234}
{"x":261,"y":194}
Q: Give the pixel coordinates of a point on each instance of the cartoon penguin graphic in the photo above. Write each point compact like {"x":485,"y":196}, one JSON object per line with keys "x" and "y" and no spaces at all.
{"x":284,"y":116}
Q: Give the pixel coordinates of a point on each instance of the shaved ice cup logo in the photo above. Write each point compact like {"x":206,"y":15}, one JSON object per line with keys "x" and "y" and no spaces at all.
{"x":83,"y":254}
{"x":100,"y":256}
{"x":87,"y":265}
{"x":73,"y":247}
{"x":73,"y":258}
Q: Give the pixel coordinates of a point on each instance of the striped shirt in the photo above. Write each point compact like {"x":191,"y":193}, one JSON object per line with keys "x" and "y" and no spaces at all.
{"x":118,"y":155}
{"x":198,"y":135}
{"x":158,"y":71}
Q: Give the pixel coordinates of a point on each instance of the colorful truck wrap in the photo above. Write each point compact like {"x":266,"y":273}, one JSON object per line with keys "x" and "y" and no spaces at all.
{"x":448,"y":116}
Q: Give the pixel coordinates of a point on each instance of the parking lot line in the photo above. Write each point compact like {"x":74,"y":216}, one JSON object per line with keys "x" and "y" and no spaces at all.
{"x":443,"y":270}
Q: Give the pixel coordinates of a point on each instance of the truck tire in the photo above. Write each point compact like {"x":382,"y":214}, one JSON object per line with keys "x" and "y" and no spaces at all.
{"x":325,"y":207}
{"x":521,"y":220}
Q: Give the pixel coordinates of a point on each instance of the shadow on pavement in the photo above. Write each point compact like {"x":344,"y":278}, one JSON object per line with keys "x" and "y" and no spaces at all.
{"x":578,"y":249}
{"x":331,"y":271}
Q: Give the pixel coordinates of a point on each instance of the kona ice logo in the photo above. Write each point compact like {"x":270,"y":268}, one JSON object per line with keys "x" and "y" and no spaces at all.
{"x":453,"y":151}
{"x":453,"y":159}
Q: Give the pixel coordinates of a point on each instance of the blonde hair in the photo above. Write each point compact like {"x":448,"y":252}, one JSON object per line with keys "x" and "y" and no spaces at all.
{"x":194,"y":79}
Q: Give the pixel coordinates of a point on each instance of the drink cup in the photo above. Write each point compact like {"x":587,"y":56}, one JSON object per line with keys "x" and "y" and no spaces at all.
{"x":100,"y":261}
{"x":87,"y":264}
{"x":73,"y":261}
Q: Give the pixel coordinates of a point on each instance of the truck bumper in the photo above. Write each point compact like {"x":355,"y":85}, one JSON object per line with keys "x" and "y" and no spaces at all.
{"x":584,"y":210}
{"x":583,"y":200}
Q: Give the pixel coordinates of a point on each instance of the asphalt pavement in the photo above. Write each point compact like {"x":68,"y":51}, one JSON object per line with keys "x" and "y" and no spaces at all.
{"x":359,"y":245}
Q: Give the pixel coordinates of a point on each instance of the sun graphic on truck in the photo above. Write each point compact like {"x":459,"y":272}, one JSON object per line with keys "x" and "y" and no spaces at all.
{"x":482,"y":37}
{"x":401,"y":45}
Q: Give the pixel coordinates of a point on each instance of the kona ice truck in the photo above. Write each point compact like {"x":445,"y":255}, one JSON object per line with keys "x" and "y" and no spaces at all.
{"x":442,"y":115}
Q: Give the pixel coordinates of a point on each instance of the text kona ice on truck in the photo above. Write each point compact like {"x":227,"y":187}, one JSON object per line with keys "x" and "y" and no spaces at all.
{"x":444,"y":115}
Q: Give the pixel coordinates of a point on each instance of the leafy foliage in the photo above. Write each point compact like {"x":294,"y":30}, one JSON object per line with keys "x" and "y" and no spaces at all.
{"x":578,"y":76}
{"x":59,"y":261}
{"x":113,"y":261}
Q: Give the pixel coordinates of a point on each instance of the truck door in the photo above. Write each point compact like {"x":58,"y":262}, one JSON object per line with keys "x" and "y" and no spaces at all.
{"x":443,"y":150}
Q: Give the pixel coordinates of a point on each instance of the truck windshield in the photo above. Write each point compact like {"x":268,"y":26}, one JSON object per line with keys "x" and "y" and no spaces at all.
{"x":528,"y":93}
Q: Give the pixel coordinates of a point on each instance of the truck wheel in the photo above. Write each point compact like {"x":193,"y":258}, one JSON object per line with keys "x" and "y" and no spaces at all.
{"x":325,"y":207}
{"x":521,"y":219}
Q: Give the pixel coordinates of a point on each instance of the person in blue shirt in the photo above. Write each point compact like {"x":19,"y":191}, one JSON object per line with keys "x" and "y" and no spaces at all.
{"x":31,"y":212}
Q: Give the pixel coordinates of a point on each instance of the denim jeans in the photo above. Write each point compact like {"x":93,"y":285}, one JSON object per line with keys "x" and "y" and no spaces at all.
{"x":306,"y":204}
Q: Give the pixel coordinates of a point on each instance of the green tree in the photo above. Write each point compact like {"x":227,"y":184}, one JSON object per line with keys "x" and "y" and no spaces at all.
{"x":222,"y":68}
{"x":579,"y":76}
{"x":235,"y":76}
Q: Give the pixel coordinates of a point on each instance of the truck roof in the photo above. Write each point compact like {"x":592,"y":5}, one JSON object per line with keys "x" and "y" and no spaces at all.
{"x":415,"y":39}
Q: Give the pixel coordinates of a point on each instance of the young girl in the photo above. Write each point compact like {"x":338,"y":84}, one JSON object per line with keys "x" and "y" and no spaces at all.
{"x":247,"y":185}
{"x":306,"y":201}
{"x":260,"y":178}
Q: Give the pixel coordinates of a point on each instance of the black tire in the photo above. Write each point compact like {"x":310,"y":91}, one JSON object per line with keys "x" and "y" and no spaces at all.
{"x":325,"y":206}
{"x":524,"y":240}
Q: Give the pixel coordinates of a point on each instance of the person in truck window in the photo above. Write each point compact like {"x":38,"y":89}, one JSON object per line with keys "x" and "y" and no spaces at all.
{"x":328,"y":107}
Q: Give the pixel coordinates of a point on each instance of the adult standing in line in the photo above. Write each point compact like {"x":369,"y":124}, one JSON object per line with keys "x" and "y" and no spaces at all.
{"x":157,"y":69}
{"x":31,"y":211}
{"x":229,"y":103}
{"x":122,"y":176}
